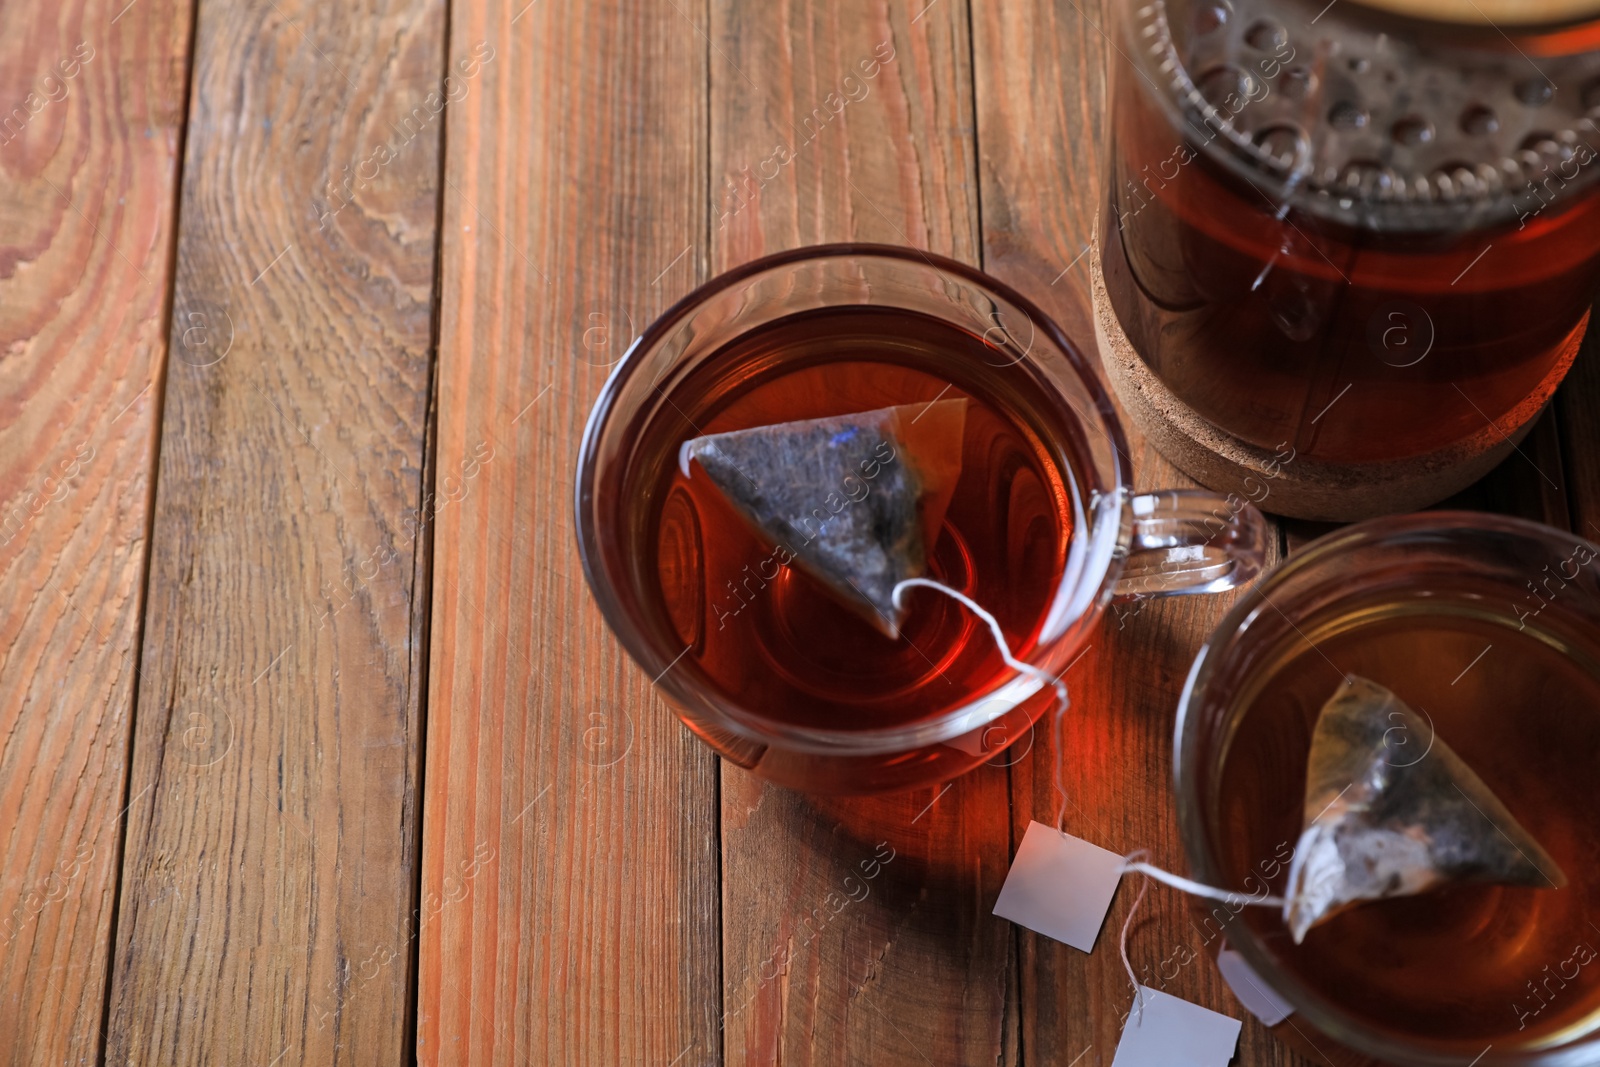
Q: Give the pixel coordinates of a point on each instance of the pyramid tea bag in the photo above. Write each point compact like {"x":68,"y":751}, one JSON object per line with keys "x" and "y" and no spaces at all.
{"x":1395,"y":819}
{"x":858,"y":500}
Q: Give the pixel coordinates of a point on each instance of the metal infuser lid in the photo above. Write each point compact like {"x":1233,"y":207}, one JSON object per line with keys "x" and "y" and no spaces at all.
{"x":1348,"y":113}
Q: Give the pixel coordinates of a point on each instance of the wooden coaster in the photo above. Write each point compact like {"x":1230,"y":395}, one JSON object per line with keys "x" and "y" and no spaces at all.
{"x":1304,"y":488}
{"x":1492,"y":12}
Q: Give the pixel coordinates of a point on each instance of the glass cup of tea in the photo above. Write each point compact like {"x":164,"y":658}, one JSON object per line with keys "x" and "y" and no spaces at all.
{"x":1489,"y":629}
{"x":763,"y":661}
{"x":1366,"y":231}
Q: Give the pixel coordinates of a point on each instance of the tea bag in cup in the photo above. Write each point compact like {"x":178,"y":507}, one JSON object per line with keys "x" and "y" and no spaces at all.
{"x":1388,"y":820}
{"x":857,"y":500}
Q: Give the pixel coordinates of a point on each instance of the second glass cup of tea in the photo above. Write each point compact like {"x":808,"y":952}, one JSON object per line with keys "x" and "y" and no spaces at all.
{"x":1488,"y":627}
{"x":1042,"y":529}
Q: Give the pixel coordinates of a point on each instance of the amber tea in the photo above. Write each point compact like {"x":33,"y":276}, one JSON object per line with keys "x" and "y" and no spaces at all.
{"x":763,"y":632}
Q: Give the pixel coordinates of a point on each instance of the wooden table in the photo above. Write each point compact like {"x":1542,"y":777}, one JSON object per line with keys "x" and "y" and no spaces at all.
{"x":313,"y":746}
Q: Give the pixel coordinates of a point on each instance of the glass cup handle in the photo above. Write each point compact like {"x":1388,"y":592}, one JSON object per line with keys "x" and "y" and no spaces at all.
{"x":1192,"y":541}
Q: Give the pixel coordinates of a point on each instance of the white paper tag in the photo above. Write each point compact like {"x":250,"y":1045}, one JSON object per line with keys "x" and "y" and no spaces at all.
{"x":1060,"y":886}
{"x":1258,"y":999}
{"x":1174,"y":1033}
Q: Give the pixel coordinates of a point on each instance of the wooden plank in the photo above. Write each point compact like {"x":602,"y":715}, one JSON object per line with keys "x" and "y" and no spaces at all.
{"x":574,"y":212}
{"x":886,"y":158}
{"x":1530,"y":482}
{"x":91,"y":120}
{"x":916,"y":971}
{"x":271,"y":845}
{"x":1043,"y":140}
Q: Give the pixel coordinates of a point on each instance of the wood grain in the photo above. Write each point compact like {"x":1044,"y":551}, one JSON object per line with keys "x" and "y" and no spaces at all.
{"x":873,"y":113}
{"x":91,"y":113}
{"x":575,"y":210}
{"x":246,"y":369}
{"x":916,"y":971}
{"x":1041,"y":84}
{"x":271,"y":844}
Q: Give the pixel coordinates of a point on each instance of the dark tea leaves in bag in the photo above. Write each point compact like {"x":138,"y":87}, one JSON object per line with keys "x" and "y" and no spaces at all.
{"x":1392,"y":811}
{"x":858,"y":500}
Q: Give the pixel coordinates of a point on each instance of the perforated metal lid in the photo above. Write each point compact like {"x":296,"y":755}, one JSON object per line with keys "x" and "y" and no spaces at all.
{"x":1336,"y":111}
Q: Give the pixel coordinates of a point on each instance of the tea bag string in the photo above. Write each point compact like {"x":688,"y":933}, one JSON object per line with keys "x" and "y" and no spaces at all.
{"x":1062,"y":700}
{"x":1133,"y":862}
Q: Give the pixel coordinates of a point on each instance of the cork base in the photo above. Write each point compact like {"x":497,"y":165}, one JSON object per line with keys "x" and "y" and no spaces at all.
{"x":1304,"y":488}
